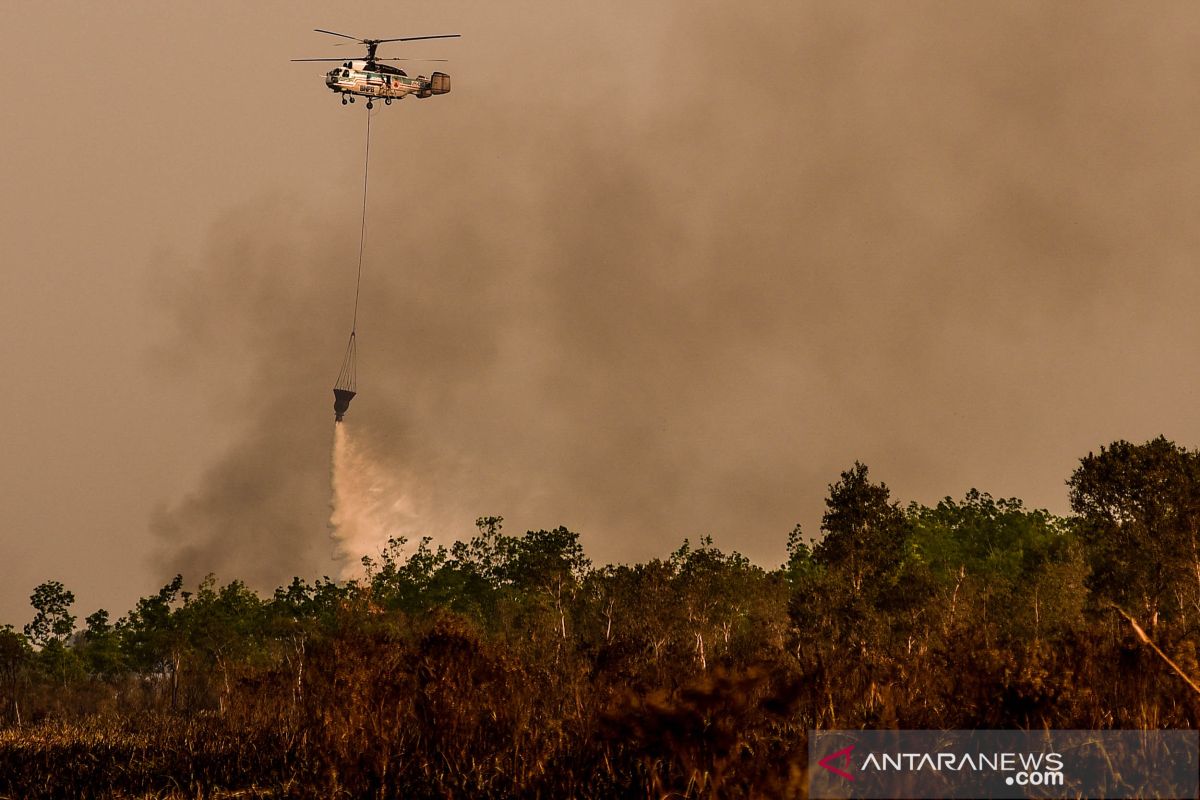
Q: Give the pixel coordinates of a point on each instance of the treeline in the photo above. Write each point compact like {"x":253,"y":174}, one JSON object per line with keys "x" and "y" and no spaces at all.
{"x":511,"y":666}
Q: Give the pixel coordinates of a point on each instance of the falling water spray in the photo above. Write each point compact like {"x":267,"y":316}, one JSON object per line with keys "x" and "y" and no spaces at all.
{"x":369,"y":504}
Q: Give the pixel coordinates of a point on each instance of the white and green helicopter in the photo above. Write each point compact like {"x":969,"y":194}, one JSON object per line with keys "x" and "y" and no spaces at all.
{"x":367,"y":77}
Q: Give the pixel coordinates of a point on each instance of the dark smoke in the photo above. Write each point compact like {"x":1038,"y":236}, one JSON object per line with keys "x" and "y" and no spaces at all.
{"x":950,"y":240}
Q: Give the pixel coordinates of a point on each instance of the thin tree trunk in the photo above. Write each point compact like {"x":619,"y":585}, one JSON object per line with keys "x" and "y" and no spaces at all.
{"x":175,"y":659}
{"x":298,"y":694}
{"x":223,"y":702}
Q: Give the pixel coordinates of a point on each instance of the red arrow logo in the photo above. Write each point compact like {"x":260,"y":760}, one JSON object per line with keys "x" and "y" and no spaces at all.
{"x":844,"y":755}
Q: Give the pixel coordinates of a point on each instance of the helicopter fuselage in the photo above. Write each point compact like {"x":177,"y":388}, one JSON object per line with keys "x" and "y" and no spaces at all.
{"x":363,"y":79}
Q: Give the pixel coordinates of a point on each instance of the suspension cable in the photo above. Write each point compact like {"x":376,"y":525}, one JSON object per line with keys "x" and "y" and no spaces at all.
{"x":347,"y":377}
{"x":362,"y":231}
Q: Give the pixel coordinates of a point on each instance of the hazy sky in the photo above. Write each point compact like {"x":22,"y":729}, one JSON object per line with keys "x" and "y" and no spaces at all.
{"x":651,"y":270}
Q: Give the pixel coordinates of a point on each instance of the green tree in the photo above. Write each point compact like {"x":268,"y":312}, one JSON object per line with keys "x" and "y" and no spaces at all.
{"x":859,"y":602}
{"x":407,"y":581}
{"x":720,"y":596}
{"x":547,"y":566}
{"x":1013,"y":564}
{"x":53,"y":621}
{"x":151,"y":638}
{"x":865,"y":532}
{"x":222,"y":627}
{"x":639,"y":625}
{"x":299,"y":614}
{"x":15,"y":655}
{"x":1138,"y":510}
{"x":485,"y":555}
{"x":472,"y":574}
{"x":99,"y":647}
{"x":800,"y":557}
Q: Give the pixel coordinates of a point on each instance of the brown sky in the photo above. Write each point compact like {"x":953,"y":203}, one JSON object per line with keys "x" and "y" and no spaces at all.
{"x":649,"y":271}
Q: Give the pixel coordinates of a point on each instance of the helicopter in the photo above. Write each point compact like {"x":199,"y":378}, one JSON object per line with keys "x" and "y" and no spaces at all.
{"x":367,"y":77}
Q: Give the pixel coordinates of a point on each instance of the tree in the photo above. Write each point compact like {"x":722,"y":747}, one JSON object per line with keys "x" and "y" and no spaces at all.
{"x":800,"y":557}
{"x":298,"y":614}
{"x":1139,"y":518}
{"x":1010,"y":562}
{"x":99,"y":647}
{"x":151,"y":637}
{"x":15,"y":655}
{"x":222,"y":627}
{"x":548,"y":565}
{"x":718,"y":594}
{"x":471,"y":575}
{"x":53,"y":621}
{"x":485,"y":555}
{"x":865,"y":532}
{"x":408,"y":582}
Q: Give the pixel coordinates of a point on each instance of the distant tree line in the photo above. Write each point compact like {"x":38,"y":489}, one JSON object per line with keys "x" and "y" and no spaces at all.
{"x":509,"y":665}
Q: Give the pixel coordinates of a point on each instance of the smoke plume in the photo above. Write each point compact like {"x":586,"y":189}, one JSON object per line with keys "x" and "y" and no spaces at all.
{"x":680,"y":273}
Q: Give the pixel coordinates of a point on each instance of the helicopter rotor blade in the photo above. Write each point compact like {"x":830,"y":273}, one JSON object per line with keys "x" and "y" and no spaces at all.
{"x":412,"y":59}
{"x":416,"y":38}
{"x":324,"y":59}
{"x":335,"y":33}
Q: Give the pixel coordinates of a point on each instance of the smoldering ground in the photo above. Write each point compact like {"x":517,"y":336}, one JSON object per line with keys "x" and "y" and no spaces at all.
{"x":656,"y":295}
